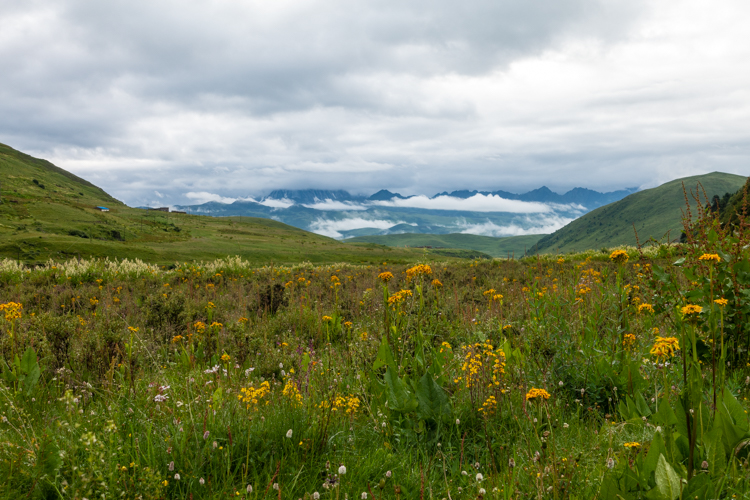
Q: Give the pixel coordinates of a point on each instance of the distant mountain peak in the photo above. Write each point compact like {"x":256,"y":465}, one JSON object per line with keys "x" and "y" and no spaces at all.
{"x":385,"y":195}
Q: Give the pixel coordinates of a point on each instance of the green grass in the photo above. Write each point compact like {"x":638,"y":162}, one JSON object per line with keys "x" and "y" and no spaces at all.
{"x":513,"y":246}
{"x":132,"y":397}
{"x":653,"y":213}
{"x":55,"y":218}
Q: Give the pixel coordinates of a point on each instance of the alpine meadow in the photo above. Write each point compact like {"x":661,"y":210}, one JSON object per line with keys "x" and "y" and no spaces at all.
{"x":614,"y":374}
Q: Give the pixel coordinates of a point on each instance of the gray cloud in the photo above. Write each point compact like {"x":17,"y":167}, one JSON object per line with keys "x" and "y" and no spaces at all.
{"x":236,"y":98}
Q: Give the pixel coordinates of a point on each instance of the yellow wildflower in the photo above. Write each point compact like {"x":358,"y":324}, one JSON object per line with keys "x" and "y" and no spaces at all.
{"x":385,"y":277}
{"x":619,"y":256}
{"x":645,"y":307}
{"x":710,"y":256}
{"x":691,"y":309}
{"x":537,"y":393}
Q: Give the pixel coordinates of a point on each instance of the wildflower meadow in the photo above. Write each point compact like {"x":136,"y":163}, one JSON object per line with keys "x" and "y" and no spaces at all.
{"x":614,"y":375}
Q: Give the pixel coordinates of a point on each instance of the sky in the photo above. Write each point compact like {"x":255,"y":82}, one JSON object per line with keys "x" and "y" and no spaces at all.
{"x":174,"y":102}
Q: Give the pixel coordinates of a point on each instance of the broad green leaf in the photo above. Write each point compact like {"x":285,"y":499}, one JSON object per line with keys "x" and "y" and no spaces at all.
{"x":667,"y":480}
{"x":305,"y":361}
{"x":700,"y":488}
{"x":217,"y":397}
{"x":735,"y":410}
{"x":652,"y":458}
{"x":642,"y":406}
{"x":715,"y":453}
{"x":434,"y":403}
{"x":385,"y":356}
{"x":400,"y":398}
{"x":31,"y":370}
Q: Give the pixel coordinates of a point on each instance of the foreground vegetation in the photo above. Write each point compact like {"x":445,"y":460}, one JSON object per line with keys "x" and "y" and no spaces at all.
{"x":624,"y":376}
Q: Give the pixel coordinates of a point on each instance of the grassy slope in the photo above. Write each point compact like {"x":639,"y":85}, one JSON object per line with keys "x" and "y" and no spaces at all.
{"x":496,"y":247}
{"x":36,"y":224}
{"x":655,"y":213}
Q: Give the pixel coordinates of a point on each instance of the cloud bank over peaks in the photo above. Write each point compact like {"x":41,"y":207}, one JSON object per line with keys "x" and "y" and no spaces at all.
{"x":477,"y":203}
{"x":331,"y":228}
{"x":205,"y":197}
{"x":536,"y":225}
{"x":335,"y":205}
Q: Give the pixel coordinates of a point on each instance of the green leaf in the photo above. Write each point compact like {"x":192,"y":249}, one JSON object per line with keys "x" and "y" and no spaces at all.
{"x":30,"y":368}
{"x":735,"y":410}
{"x":305,"y":361}
{"x":700,"y":488}
{"x":434,"y":403}
{"x":667,"y":480}
{"x":400,"y":398}
{"x":217,"y":397}
{"x":642,"y":406}
{"x":656,"y":450}
{"x":666,"y":416}
{"x":384,"y":357}
{"x":715,"y":453}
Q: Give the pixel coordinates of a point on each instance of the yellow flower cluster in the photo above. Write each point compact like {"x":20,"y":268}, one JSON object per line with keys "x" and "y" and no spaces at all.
{"x":399,"y":297}
{"x":176,"y":339}
{"x":489,"y":406}
{"x":252,"y":396}
{"x":664,"y":347}
{"x":385,"y":277}
{"x":537,"y":393}
{"x":12,"y":310}
{"x":226,"y":358}
{"x":628,"y":340}
{"x":436,"y":283}
{"x":691,"y":309}
{"x":633,"y":444}
{"x":216,"y":325}
{"x":710,"y":256}
{"x":646,"y":307}
{"x":490,"y":292}
{"x":619,"y":256}
{"x":421,"y":269}
{"x":199,"y":326}
{"x":326,"y":319}
{"x":476,"y":356}
{"x":94,"y":301}
{"x":348,"y":404}
{"x":722,"y":302}
{"x":290,"y":390}
{"x":497,"y":297}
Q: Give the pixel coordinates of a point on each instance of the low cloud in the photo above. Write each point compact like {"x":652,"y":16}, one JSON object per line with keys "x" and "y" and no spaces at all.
{"x":205,"y":197}
{"x":476,"y":203}
{"x":331,"y":228}
{"x":282,"y":203}
{"x":335,"y":205}
{"x":545,"y":225}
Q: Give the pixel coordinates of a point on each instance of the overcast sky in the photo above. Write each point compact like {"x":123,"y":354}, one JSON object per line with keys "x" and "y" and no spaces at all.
{"x":154,"y":100}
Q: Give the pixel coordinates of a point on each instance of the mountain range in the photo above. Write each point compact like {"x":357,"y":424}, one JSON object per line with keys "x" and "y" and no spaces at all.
{"x":342,"y":215}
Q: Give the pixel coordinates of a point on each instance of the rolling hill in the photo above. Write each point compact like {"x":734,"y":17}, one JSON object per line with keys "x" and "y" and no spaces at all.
{"x":513,"y":246}
{"x":49,"y":213}
{"x":655,"y":213}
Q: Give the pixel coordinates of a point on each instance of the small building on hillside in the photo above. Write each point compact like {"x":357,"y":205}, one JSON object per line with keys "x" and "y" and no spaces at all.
{"x":102,"y":209}
{"x":160,"y":209}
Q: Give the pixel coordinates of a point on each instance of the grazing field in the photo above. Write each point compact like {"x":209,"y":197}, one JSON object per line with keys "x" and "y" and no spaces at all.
{"x":618,"y":375}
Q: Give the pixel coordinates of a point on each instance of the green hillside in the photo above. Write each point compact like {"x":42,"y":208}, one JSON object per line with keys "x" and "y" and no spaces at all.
{"x":47,"y":212}
{"x":495,"y":247}
{"x":655,"y":213}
